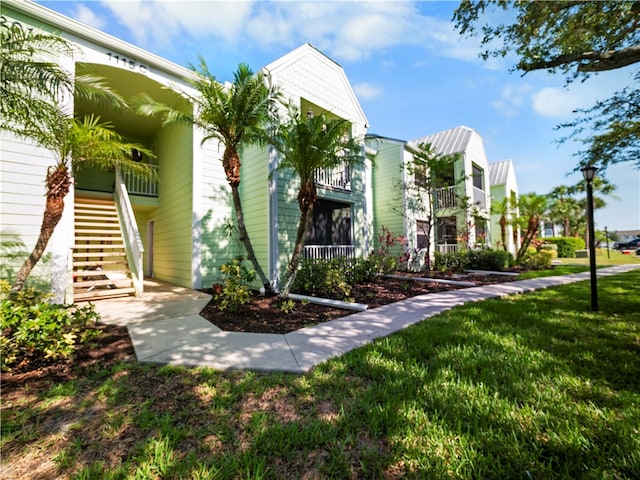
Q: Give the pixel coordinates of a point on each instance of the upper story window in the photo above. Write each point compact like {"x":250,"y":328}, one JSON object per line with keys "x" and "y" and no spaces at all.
{"x":478,"y":177}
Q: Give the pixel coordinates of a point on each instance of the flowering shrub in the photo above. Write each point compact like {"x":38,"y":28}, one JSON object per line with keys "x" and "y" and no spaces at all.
{"x":235,"y":289}
{"x":35,"y":330}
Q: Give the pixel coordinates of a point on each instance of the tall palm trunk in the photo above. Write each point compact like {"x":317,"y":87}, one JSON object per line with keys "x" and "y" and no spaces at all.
{"x":307,"y":197}
{"x":532,"y":230}
{"x":58,"y":182}
{"x":231,"y":164}
{"x":503,"y":232}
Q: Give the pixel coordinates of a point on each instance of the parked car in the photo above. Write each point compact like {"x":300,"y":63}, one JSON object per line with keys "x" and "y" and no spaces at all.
{"x":630,"y":245}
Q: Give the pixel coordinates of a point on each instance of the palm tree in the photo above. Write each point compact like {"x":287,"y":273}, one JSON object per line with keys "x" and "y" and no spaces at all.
{"x":31,"y":85}
{"x":235,"y":114}
{"x":304,"y":146}
{"x":504,"y":209}
{"x":77,"y":142}
{"x":32,"y":88}
{"x":532,"y":207}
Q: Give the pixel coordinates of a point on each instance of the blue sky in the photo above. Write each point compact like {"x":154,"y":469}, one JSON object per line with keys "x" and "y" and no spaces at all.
{"x":413,"y":74}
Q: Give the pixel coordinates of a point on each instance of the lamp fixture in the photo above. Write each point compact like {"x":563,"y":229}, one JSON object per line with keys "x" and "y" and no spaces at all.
{"x":589,"y":173}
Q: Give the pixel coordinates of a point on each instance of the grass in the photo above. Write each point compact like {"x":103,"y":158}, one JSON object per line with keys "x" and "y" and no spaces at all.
{"x":532,"y":386}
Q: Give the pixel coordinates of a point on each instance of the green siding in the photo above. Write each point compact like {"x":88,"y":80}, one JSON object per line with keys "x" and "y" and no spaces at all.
{"x":218,"y":244}
{"x":387,"y":189}
{"x":173,"y":217}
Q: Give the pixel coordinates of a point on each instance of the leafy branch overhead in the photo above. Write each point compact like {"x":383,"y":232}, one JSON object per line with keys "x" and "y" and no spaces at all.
{"x":577,"y":40}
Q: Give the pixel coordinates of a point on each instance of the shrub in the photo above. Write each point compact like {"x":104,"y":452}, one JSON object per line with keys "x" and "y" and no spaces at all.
{"x":235,"y":289}
{"x":552,"y":248}
{"x":34,"y":329}
{"x":486,"y":259}
{"x":450,"y":262}
{"x":567,"y":246}
{"x":537,"y":260}
{"x":326,"y":278}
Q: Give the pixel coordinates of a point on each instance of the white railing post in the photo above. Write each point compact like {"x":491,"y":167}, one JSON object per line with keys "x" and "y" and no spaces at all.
{"x":137,"y":185}
{"x":132,"y":239}
{"x":328,"y":252}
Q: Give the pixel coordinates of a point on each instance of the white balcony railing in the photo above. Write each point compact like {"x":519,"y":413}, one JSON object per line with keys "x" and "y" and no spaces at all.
{"x":446,"y":197}
{"x":328,"y":252}
{"x":141,"y":186}
{"x":339,"y":178}
{"x":447,"y":248}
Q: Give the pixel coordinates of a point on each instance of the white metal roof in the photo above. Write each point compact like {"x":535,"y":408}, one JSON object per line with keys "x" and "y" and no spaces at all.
{"x":450,"y":141}
{"x":499,"y":172}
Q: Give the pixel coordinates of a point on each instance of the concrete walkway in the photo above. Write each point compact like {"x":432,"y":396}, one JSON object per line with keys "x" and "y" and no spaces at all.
{"x":166,"y":328}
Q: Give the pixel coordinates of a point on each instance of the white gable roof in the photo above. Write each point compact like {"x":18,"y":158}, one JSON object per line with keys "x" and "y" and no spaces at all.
{"x":454,"y":140}
{"x":308,"y":73}
{"x":503,"y":174}
{"x":499,"y":172}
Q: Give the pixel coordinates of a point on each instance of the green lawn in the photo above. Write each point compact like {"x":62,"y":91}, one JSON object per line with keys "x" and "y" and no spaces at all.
{"x":529,"y":387}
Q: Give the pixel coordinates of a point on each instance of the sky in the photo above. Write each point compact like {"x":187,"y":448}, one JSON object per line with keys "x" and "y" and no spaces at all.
{"x":413,"y":74}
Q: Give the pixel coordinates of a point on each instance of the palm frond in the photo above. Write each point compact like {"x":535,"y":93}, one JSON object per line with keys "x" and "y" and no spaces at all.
{"x":89,"y":141}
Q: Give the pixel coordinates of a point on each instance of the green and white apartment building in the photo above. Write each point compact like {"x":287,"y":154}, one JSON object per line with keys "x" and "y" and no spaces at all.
{"x":117,"y":229}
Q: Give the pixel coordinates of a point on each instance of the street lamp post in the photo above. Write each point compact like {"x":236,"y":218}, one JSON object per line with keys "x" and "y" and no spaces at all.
{"x":589,"y":174}
{"x":606,"y":239}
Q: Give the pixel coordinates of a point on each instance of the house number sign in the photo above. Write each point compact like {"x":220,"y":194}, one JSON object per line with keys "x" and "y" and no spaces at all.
{"x":127,"y":63}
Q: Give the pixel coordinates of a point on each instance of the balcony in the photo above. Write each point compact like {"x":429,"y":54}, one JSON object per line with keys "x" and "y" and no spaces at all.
{"x":142,"y":186}
{"x":445,"y":248}
{"x":328,"y":252}
{"x":446,"y":197}
{"x":338,"y":178}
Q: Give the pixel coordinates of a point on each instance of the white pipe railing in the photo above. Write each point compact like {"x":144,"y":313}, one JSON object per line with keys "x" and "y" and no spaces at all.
{"x":446,"y":197}
{"x":137,"y":185}
{"x":334,"y":178}
{"x":447,"y":248}
{"x":328,"y":252}
{"x":132,"y":239}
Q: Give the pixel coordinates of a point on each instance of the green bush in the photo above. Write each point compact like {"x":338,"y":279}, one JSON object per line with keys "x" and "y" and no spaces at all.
{"x":325,"y":278}
{"x":35,"y":330}
{"x":486,"y":259}
{"x":567,"y":246}
{"x":552,"y":248}
{"x":450,"y":262}
{"x":537,"y":260}
{"x":235,"y":289}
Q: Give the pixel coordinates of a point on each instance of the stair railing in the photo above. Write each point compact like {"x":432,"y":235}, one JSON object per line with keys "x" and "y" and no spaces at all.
{"x":132,"y":239}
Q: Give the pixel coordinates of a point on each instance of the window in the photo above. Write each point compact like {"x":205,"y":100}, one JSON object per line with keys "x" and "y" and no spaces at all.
{"x":478,"y":177}
{"x":422,"y":234}
{"x":331,"y":224}
{"x":446,"y":229}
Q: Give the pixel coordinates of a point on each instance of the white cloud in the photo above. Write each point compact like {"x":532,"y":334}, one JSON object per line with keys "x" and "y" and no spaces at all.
{"x":346,"y":30}
{"x":556,"y":102}
{"x":367,"y":91}
{"x":511,"y":99}
{"x":561,"y":102}
{"x":88,"y":17}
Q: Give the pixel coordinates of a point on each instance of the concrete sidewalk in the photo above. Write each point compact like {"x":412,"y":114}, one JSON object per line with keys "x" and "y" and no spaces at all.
{"x":166,"y":328}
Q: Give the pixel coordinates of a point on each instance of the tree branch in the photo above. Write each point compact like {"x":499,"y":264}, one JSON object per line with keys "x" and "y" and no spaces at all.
{"x":596,"y":61}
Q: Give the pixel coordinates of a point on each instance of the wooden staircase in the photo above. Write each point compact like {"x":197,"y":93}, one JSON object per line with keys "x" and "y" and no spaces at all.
{"x":100,"y":267}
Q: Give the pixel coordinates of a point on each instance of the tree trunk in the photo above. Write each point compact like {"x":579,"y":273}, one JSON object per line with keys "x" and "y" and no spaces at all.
{"x":532,"y":229}
{"x":307,"y":197}
{"x":246,"y":241}
{"x":503,"y":232}
{"x":231,"y":164}
{"x":58,"y":183}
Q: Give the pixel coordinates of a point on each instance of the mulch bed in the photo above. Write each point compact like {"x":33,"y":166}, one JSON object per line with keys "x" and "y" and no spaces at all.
{"x":264,"y":315}
{"x":261,"y":315}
